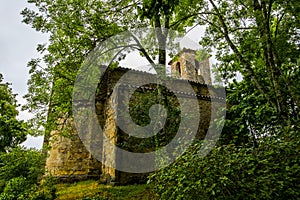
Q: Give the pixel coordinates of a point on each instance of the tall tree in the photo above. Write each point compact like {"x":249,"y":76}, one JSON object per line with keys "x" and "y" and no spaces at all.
{"x":260,"y":41}
{"x":257,"y":39}
{"x":12,"y":131}
{"x":75,"y":28}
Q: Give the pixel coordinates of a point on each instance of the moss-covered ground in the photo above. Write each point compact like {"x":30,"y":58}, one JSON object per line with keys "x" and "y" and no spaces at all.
{"x":92,"y":190}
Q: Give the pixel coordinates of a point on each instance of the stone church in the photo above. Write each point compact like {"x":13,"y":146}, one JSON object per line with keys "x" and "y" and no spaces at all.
{"x":68,"y":158}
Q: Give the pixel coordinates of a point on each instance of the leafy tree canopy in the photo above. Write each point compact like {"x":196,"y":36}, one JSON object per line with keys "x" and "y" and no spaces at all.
{"x":260,"y":41}
{"x":12,"y":130}
{"x":75,"y":28}
{"x":257,"y":39}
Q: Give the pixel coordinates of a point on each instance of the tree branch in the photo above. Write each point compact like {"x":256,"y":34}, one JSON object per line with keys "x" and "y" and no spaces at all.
{"x":142,"y":49}
{"x":239,"y":55}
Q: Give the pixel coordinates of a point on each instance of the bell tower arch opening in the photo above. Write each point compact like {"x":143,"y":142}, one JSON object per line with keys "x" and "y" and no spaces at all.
{"x":191,"y":65}
{"x":178,"y":68}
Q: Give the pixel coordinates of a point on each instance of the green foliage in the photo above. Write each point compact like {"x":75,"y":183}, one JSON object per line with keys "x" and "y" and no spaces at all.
{"x":75,"y":28}
{"x":231,"y":172}
{"x":12,"y":130}
{"x":16,"y":188}
{"x":257,"y":40}
{"x":46,"y":190}
{"x":202,"y":55}
{"x":19,"y":171}
{"x":19,"y":168}
{"x":20,"y":188}
{"x":21,"y":162}
{"x":249,"y":116}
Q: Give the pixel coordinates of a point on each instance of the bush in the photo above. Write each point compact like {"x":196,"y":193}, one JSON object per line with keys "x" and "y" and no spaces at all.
{"x":16,"y":188}
{"x":21,"y":163}
{"x":271,"y":171}
{"x":46,"y":190}
{"x":19,"y":172}
{"x":5,"y":196}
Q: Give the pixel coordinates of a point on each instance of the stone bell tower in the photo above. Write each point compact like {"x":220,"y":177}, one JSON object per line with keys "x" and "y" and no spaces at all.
{"x":186,"y":66}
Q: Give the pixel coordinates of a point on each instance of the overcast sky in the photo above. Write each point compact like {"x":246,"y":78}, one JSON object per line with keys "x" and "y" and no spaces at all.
{"x":18,"y":44}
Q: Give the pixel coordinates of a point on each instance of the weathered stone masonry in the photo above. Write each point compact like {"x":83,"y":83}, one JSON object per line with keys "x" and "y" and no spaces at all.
{"x":68,"y":158}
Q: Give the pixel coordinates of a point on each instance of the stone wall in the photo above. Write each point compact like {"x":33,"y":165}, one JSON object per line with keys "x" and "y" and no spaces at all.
{"x":118,"y":87}
{"x":69,"y":159}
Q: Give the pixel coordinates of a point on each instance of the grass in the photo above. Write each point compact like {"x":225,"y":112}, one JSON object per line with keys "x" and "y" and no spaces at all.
{"x":92,"y":190}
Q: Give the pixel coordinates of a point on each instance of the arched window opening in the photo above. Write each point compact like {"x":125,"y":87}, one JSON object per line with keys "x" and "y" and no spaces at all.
{"x":178,"y":68}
